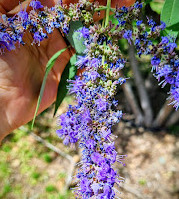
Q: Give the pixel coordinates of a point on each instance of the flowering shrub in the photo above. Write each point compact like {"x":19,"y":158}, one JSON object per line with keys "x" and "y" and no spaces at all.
{"x":89,"y":122}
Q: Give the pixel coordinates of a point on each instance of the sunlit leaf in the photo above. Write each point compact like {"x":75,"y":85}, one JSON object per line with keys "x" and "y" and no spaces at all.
{"x":49,"y":66}
{"x":74,"y":37}
{"x":170,"y":12}
{"x":170,"y":15}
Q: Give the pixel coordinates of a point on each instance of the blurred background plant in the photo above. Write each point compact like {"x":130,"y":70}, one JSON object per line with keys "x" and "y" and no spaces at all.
{"x":37,"y":164}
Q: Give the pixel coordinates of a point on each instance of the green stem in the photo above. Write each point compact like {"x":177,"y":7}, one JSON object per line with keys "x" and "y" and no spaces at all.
{"x":107,"y":12}
{"x":108,"y":9}
{"x":112,"y":10}
{"x":100,"y":8}
{"x":104,"y":8}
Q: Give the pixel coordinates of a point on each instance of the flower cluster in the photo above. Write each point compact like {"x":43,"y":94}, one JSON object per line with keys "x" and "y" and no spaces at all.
{"x":89,"y":122}
{"x":40,"y":23}
{"x":166,"y":63}
{"x":164,"y":60}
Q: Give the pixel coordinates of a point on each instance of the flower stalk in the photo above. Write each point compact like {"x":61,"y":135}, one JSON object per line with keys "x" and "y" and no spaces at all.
{"x":108,"y":12}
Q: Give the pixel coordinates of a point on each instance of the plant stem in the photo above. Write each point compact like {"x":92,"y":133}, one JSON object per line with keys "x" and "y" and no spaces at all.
{"x":100,"y":8}
{"x":108,"y":8}
{"x":107,"y":12}
{"x":104,"y":8}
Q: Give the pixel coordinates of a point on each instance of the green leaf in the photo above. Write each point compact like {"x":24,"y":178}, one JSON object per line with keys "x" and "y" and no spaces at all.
{"x":172,"y":33}
{"x":74,"y":38}
{"x":68,"y":74}
{"x":148,"y":1}
{"x":113,"y":20}
{"x":170,"y":12}
{"x":174,"y":27}
{"x":156,"y":6}
{"x":49,"y":66}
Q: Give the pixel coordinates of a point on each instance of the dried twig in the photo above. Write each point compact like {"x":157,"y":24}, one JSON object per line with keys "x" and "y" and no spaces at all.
{"x":70,"y":175}
{"x":47,"y":144}
{"x":52,"y":147}
{"x":133,"y":191}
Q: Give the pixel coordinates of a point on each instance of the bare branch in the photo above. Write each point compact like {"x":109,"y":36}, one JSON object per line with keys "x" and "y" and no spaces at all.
{"x":173,"y":119}
{"x":143,"y":96}
{"x":163,"y":114}
{"x":133,"y":103}
{"x":69,"y":177}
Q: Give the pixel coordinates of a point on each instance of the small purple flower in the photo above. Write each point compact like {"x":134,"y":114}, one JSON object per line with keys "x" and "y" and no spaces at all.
{"x":85,"y":185}
{"x":82,"y":62}
{"x":139,"y":22}
{"x":94,"y":75}
{"x":90,"y":144}
{"x":162,"y":26}
{"x":37,"y":37}
{"x":102,"y":175}
{"x":66,"y":140}
{"x":76,"y":85}
{"x":176,"y":63}
{"x":101,"y":104}
{"x":6,"y":41}
{"x":124,"y":9}
{"x":70,"y":127}
{"x":171,"y":47}
{"x":164,"y":71}
{"x":23,"y":15}
{"x":138,"y":5}
{"x":151,"y":22}
{"x":36,"y":4}
{"x":95,"y":62}
{"x":107,"y":191}
{"x":86,"y":117}
{"x":175,"y":96}
{"x":95,"y":187}
{"x":155,"y":61}
{"x":128,"y":35}
{"x":97,"y":158}
{"x":105,"y":133}
{"x":121,"y":22}
{"x":137,"y":43}
{"x":165,"y":40}
{"x":84,"y":32}
{"x":66,"y":28}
